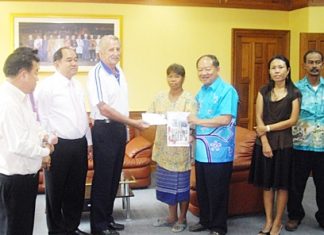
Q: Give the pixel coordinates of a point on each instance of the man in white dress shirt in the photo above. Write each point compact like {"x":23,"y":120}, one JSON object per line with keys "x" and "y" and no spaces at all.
{"x":109,"y":102}
{"x":61,"y":109}
{"x":23,"y":145}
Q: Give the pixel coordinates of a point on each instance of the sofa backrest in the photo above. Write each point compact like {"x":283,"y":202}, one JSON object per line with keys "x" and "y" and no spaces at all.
{"x":148,"y":133}
{"x":244,"y":142}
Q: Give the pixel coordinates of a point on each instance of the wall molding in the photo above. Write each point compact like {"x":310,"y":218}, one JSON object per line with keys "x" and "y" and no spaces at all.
{"x":282,"y":5}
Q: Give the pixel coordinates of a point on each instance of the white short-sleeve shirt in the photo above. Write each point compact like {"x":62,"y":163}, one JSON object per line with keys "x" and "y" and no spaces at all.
{"x":104,"y":86}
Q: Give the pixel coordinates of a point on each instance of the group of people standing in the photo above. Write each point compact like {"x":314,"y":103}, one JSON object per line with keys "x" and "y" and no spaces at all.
{"x":213,"y":114}
{"x":290,"y":143}
{"x":57,"y":137}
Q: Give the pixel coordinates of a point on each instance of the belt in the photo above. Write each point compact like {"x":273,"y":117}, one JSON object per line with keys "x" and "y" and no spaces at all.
{"x":18,"y":175}
{"x":107,"y":121}
{"x":103,"y":121}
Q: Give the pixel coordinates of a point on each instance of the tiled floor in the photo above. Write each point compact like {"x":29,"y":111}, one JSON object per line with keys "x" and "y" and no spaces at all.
{"x":145,"y":209}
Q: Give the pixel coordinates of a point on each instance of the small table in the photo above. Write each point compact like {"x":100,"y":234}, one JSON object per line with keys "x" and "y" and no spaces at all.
{"x":124,"y":192}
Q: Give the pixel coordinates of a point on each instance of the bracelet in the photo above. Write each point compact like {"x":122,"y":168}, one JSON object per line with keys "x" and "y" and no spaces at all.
{"x":268,"y":128}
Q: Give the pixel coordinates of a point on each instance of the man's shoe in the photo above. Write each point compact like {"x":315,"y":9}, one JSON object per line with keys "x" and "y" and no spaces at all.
{"x":107,"y":232}
{"x":292,"y":225}
{"x":116,"y":226}
{"x":79,"y":232}
{"x":197,"y":228}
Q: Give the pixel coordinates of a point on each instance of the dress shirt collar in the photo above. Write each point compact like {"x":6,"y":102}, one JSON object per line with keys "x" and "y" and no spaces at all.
{"x":306,"y":82}
{"x":61,"y":78}
{"x":21,"y":96}
{"x":214,"y":85}
{"x":110,"y":72}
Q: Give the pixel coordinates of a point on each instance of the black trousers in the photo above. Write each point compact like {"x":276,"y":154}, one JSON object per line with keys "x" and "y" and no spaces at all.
{"x":65,"y":185}
{"x":17,"y":204}
{"x":109,"y":141}
{"x":305,"y":162}
{"x":212,"y":184}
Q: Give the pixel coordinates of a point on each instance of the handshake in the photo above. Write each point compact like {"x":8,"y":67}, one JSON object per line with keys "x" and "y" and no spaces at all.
{"x":49,"y":140}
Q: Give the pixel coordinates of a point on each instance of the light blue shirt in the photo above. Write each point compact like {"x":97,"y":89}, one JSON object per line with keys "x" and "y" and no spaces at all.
{"x":308,"y":133}
{"x":216,"y":145}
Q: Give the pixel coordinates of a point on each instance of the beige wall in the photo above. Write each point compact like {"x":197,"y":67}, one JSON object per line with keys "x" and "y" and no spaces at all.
{"x":156,"y":36}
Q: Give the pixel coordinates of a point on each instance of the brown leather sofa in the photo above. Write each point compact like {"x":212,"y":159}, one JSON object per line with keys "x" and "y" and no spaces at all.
{"x":137,"y":161}
{"x":244,"y":198}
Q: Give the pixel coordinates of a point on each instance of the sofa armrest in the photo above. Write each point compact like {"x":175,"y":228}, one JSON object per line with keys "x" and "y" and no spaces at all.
{"x":193,"y":177}
{"x":137,"y":145}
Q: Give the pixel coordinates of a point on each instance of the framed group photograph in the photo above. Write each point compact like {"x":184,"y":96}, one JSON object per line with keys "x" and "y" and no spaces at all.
{"x":49,"y":33}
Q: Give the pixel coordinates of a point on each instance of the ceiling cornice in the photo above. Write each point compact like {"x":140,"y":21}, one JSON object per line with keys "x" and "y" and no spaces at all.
{"x":283,"y":5}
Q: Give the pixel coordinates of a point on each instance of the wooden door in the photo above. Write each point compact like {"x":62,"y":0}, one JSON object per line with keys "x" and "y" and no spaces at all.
{"x":309,"y":41}
{"x":251,"y":51}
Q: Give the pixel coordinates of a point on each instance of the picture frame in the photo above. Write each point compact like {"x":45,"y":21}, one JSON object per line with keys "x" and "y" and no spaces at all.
{"x":49,"y":33}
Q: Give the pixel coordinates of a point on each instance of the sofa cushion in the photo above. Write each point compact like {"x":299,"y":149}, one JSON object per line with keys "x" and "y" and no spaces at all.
{"x":136,"y":145}
{"x":137,"y":173}
{"x":241,"y":163}
{"x":136,"y":162}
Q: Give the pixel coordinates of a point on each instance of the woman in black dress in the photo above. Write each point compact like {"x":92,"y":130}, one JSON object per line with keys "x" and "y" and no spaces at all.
{"x":277,"y":110}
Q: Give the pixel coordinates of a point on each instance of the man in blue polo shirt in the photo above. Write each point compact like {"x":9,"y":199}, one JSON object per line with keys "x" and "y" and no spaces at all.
{"x":308,"y":142}
{"x":214,"y":152}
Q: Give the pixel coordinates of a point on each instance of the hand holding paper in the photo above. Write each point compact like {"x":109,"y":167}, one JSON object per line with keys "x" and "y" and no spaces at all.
{"x":154,"y":118}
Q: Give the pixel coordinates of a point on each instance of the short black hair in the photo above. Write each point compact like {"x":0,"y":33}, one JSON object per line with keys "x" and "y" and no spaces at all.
{"x":25,"y":50}
{"x":313,"y":51}
{"x":21,"y":58}
{"x":58,"y":55}
{"x":176,"y":68}
{"x":212,"y":57}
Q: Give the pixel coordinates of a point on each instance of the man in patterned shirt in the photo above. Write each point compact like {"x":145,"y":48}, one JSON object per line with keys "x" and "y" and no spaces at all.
{"x":214,"y":151}
{"x":308,"y":142}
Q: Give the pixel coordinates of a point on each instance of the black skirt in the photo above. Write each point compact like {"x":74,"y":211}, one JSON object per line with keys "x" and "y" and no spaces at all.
{"x":271,"y":173}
